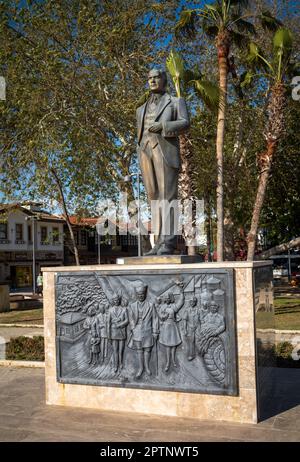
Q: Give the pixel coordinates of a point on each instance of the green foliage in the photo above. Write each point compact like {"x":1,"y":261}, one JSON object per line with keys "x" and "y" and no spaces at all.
{"x":26,"y":349}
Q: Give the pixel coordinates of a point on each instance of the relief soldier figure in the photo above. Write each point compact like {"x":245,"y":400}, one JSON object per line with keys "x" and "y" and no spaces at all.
{"x":117,"y":320}
{"x":169,"y":332}
{"x":191,"y":319}
{"x":144,"y":328}
{"x":159,"y":122}
{"x":213,"y":324}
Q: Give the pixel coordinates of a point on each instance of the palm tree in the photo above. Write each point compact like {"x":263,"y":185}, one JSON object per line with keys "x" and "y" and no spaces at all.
{"x":225,"y":22}
{"x":209,"y":94}
{"x":276,"y":72}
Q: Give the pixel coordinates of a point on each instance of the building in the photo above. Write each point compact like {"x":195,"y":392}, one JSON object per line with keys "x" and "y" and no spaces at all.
{"x":109,"y":247}
{"x":25,"y":227}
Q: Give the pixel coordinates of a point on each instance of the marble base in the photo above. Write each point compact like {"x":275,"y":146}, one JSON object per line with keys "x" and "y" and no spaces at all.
{"x":160,"y":259}
{"x":241,"y":408}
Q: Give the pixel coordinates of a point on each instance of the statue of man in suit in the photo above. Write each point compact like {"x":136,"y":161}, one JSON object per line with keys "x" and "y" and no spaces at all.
{"x":144,"y":327}
{"x":159,"y":122}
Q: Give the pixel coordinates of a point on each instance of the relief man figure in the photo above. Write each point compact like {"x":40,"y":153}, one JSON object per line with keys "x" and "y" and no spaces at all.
{"x":159,"y":122}
{"x":169,"y":332}
{"x":117,"y":320}
{"x":101,"y":318}
{"x":191,"y":322}
{"x":144,"y":328}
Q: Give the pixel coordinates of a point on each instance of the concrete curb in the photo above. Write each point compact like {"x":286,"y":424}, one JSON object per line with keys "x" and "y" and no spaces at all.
{"x":34,"y":326}
{"x":12,"y":363}
{"x":276,"y":331}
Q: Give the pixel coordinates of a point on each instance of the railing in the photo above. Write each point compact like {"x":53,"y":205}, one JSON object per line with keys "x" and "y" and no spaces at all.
{"x":19,"y":241}
{"x":4,"y":241}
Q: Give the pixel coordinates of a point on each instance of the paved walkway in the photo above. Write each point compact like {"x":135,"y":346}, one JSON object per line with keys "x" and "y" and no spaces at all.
{"x":7,"y":333}
{"x":25,"y":417}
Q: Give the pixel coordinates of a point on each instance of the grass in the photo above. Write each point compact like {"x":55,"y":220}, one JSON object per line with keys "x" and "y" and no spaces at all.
{"x":26,"y":349}
{"x":34,"y":316}
{"x":287,"y":313}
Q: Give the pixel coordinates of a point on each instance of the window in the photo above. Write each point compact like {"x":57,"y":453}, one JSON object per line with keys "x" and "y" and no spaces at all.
{"x":19,"y":232}
{"x":29,"y":233}
{"x":55,"y":234}
{"x":82,"y":237}
{"x":3,"y":230}
{"x":76,"y":237}
{"x":44,"y":233}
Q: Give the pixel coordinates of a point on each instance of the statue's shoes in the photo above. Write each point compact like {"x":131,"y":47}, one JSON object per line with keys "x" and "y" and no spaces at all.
{"x":165,"y":250}
{"x":153,"y":251}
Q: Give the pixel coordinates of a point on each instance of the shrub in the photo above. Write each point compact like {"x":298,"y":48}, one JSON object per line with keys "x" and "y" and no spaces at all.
{"x":26,"y":348}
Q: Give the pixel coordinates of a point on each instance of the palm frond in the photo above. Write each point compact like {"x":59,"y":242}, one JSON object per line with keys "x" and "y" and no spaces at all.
{"x":244,"y":26}
{"x":283,"y":40}
{"x":175,"y":66}
{"x":186,"y":25}
{"x":269,"y":22}
{"x":282,"y":45}
{"x":208,"y":92}
{"x":246,"y":79}
{"x":209,"y":28}
{"x":240,"y":40}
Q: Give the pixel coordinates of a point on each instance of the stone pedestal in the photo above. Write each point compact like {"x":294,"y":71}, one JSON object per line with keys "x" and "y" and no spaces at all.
{"x":226,"y":379}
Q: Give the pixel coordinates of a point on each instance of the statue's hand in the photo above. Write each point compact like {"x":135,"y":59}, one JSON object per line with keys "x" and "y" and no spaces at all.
{"x":156,"y":127}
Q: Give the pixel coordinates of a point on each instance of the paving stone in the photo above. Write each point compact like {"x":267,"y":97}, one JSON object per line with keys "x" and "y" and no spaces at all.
{"x":24,"y":416}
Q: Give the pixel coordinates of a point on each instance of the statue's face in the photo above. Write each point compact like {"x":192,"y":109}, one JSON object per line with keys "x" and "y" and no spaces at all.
{"x":193,"y":302}
{"x":156,"y":81}
{"x":141,"y":295}
{"x":116,"y":301}
{"x":213,"y":308}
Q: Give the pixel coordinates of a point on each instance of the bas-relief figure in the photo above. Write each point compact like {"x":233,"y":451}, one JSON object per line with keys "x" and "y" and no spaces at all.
{"x":164,"y":333}
{"x":159,"y":122}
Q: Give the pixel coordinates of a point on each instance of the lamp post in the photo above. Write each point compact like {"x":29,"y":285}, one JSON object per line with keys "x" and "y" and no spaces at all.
{"x":33,"y":219}
{"x":126,"y":179}
{"x":99,"y":248}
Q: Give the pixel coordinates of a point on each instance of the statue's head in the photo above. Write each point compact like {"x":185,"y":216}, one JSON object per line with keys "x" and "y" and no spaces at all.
{"x":141,"y":291}
{"x":116,"y":299}
{"x":193,"y":301}
{"x":91,"y":311}
{"x":214,"y":307}
{"x":157,"y":80}
{"x":167,"y":299}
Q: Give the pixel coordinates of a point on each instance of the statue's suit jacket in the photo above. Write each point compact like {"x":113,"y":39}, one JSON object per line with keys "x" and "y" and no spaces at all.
{"x":172,"y":113}
{"x":149,"y":324}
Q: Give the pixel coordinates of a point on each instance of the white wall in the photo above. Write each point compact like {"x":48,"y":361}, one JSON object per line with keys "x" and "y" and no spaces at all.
{"x":18,"y":216}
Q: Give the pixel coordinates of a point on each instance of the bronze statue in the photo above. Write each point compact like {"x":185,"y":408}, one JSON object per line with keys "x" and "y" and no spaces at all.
{"x":159,"y":122}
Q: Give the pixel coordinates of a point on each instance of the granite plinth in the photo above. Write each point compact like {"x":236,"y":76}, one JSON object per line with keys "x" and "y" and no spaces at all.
{"x":160,"y":259}
{"x":240,"y":408}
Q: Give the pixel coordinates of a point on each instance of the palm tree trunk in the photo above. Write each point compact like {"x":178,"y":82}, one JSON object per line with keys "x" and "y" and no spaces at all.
{"x":273,"y":133}
{"x":266,"y":163}
{"x":223,"y":52}
{"x":186,"y":190}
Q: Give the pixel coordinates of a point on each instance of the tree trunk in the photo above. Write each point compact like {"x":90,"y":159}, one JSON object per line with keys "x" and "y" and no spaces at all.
{"x":66,"y":215}
{"x":186,"y":189}
{"x":266,"y":163}
{"x":280,"y":248}
{"x":223,"y":52}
